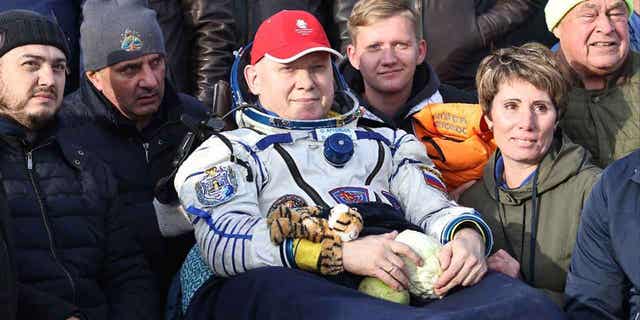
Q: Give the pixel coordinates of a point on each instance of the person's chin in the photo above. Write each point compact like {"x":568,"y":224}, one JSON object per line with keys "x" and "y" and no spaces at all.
{"x":42,"y":106}
{"x":147,"y":108}
{"x":393,"y":84}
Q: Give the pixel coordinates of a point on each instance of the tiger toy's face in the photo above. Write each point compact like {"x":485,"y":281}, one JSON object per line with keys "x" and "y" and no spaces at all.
{"x":345,"y":222}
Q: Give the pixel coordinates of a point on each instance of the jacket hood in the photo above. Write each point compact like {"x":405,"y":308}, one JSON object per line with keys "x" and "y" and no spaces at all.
{"x":425,"y":84}
{"x":564,"y":160}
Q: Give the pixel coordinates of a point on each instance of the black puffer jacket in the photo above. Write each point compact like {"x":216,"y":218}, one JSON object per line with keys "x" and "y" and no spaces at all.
{"x":138,"y":159}
{"x":74,"y":252}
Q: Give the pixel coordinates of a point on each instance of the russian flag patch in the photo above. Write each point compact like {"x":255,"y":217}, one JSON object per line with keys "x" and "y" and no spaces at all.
{"x":432,"y":178}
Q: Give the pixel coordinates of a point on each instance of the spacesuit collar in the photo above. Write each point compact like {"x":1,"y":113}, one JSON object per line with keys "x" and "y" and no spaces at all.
{"x":269,"y":122}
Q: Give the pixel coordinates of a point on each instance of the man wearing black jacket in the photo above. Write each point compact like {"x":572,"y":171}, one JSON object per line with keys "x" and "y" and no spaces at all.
{"x":74,"y":254}
{"x":132,"y":115}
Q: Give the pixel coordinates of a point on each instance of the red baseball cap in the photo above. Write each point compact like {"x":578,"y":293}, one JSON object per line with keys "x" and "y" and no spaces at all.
{"x":289,"y":35}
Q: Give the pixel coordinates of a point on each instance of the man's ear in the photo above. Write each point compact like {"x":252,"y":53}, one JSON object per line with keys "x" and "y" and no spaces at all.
{"x":96,"y":80}
{"x":353,"y":58}
{"x":422,"y":51}
{"x":251,"y":77}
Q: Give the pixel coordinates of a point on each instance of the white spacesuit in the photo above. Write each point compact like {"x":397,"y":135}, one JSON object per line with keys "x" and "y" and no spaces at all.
{"x":229,"y":184}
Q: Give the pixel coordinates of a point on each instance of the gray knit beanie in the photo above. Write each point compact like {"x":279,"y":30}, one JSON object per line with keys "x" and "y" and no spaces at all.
{"x":113,"y":31}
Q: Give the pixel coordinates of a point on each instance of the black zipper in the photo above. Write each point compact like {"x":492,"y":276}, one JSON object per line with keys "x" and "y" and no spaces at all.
{"x":297,"y":177}
{"x":29,"y":158}
{"x":376,"y":169}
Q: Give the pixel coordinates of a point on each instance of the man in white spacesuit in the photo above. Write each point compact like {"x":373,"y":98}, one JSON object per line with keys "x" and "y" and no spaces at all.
{"x":298,"y":144}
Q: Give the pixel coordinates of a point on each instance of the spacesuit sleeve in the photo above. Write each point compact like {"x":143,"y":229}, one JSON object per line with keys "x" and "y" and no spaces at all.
{"x":423,"y":195}
{"x":220,"y":197}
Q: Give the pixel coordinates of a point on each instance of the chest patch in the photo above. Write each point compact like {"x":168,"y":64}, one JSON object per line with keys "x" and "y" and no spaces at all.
{"x":290,"y":201}
{"x":350,"y":195}
{"x":218,"y":186}
{"x":433,"y":179}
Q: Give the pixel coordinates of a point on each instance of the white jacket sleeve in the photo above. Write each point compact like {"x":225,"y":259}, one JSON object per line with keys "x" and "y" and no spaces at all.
{"x":421,"y":191}
{"x":221,"y":198}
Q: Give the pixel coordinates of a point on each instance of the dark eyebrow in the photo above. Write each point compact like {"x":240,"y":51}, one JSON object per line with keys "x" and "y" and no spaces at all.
{"x":130,"y":65}
{"x":42,"y":59}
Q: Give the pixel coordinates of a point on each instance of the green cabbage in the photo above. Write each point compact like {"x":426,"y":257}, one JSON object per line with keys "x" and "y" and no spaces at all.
{"x":422,"y":279}
{"x":378,"y":289}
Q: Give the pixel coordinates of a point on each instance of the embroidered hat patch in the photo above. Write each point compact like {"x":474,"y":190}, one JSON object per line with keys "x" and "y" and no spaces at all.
{"x":131,"y":41}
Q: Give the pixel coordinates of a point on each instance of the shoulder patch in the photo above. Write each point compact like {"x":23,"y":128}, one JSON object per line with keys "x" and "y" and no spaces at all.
{"x":433,"y":178}
{"x":218,"y":186}
{"x":350,"y":195}
{"x":290,"y":201}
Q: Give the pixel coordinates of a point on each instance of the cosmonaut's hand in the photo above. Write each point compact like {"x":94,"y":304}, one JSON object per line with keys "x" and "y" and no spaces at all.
{"x":503,"y":262}
{"x":379,"y":256}
{"x":462,"y":261}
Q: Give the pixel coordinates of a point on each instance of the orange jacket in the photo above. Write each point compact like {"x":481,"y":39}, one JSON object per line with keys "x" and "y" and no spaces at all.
{"x":457,"y":138}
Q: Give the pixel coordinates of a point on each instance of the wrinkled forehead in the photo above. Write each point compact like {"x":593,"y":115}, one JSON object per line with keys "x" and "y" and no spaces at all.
{"x":136,"y":62}
{"x":600,"y":5}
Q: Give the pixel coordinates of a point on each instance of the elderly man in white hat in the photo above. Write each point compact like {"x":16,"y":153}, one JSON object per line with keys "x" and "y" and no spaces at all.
{"x":604,"y":104}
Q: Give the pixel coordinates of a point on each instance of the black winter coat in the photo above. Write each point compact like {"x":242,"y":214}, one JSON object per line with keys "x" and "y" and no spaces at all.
{"x":138,"y":159}
{"x":74,"y":252}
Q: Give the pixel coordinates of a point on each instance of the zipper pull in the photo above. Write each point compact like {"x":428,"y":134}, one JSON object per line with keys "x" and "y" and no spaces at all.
{"x":145,"y":146}
{"x":29,"y":160}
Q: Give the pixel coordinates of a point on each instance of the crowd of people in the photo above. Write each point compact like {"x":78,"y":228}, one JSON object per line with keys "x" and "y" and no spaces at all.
{"x":125,"y":195}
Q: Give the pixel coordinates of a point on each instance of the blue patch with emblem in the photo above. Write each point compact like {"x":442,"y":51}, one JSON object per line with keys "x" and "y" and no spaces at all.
{"x":218,"y":186}
{"x":350,"y":195}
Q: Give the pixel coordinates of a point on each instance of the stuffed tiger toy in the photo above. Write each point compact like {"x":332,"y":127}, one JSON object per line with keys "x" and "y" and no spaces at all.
{"x":342,"y":224}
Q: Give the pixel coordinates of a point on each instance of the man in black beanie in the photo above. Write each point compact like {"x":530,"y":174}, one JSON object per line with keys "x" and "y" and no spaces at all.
{"x":132,"y":115}
{"x":74,"y":253}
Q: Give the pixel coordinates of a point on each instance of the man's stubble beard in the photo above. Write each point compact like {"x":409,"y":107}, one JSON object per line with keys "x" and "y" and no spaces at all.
{"x":18,"y":114}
